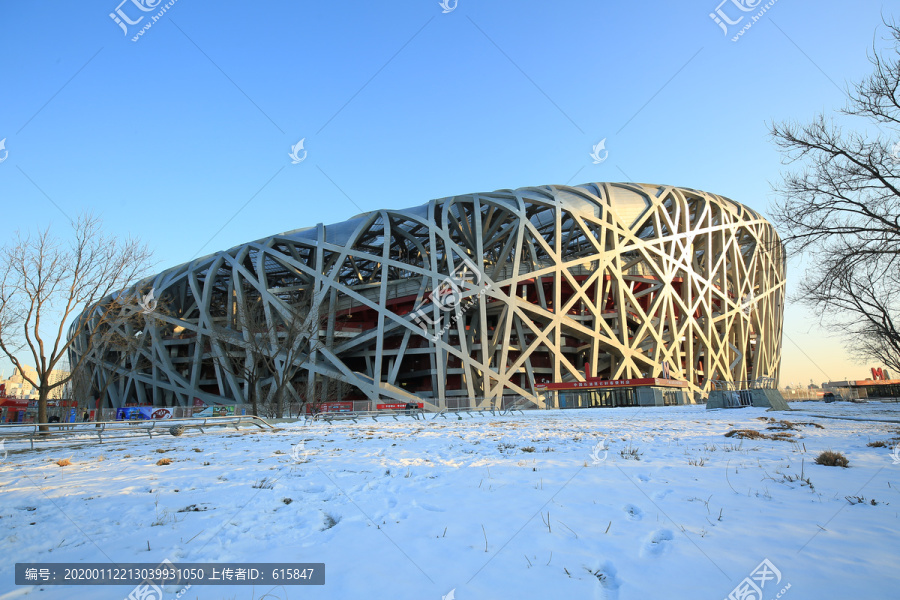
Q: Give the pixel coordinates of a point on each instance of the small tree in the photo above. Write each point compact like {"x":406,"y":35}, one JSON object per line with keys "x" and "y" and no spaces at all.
{"x":287,"y":344}
{"x":324,"y":391}
{"x":48,"y":282}
{"x":230,"y":353}
{"x":841,"y":208}
{"x":268,"y":347}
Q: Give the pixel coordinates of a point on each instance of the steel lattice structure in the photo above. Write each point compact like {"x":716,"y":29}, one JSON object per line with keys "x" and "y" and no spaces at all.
{"x":545,"y":284}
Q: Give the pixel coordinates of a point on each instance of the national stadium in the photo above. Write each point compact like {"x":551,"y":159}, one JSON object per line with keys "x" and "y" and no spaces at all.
{"x":602,"y":294}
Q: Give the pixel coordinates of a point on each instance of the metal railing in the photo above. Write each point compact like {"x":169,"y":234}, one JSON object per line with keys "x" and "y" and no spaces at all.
{"x":355,"y":416}
{"x":109,"y":430}
{"x":760,"y":383}
{"x":505,"y":408}
{"x":65,"y":414}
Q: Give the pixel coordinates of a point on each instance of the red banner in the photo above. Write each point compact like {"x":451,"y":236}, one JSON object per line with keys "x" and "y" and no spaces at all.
{"x":397,"y":406}
{"x":604,"y":383}
{"x":330,"y":407}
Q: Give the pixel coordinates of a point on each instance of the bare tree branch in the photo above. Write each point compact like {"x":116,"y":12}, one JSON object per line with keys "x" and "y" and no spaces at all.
{"x":47,"y":282}
{"x":840,"y":208}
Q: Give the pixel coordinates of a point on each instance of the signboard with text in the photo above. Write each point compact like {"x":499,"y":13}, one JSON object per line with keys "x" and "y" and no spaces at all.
{"x":397,"y":406}
{"x":607,"y":383}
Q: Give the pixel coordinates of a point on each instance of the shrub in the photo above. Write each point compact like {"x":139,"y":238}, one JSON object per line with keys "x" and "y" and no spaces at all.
{"x":163,"y":461}
{"x":330,"y":521}
{"x":832,"y":459}
{"x":631,"y":453}
{"x":264,"y":484}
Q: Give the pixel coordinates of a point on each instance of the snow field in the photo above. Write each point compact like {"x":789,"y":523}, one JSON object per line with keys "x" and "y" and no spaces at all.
{"x":615,"y":504}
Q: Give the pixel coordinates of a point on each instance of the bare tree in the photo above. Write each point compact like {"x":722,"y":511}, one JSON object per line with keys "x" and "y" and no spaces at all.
{"x":268,"y":350}
{"x":288,"y":344}
{"x":841,"y":208}
{"x":121,"y":344}
{"x":46,"y":282}
{"x":325,"y":390}
{"x":230,"y":352}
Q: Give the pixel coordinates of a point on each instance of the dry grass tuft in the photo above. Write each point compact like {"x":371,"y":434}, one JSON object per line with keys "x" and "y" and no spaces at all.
{"x":746,"y":434}
{"x":752,"y":434}
{"x":832,"y":459}
{"x":784,"y":425}
{"x":64,"y":462}
{"x":878,"y":444}
{"x":163,"y":461}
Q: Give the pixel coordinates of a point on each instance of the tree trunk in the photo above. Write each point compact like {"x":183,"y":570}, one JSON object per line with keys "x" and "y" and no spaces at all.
{"x":43,"y":394}
{"x":279,"y":404}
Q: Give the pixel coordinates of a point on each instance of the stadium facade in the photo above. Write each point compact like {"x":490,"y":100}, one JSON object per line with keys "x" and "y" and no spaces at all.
{"x":479,"y":296}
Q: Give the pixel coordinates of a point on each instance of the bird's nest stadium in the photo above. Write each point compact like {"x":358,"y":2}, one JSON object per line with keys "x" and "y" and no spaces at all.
{"x":479,"y":296}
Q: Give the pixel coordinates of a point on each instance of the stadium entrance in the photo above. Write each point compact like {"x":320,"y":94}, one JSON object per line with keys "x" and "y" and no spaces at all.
{"x":599,"y":393}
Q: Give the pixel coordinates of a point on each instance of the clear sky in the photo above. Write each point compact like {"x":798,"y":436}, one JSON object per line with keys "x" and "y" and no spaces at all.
{"x":182,"y":137}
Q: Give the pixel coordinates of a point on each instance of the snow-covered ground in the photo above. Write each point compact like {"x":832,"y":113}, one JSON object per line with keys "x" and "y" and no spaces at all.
{"x":535,"y":506}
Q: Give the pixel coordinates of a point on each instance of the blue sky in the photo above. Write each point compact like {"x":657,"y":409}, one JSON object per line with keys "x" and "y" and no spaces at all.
{"x":182,"y":137}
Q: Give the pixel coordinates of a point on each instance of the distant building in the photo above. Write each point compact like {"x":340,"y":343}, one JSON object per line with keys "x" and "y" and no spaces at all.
{"x":17,"y":386}
{"x":865,"y":388}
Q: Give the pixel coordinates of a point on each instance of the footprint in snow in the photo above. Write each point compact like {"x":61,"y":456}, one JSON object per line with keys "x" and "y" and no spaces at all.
{"x":661,"y":495}
{"x":659,"y":541}
{"x":634,"y":513}
{"x":430,"y":507}
{"x":608,"y":588}
{"x":644,"y":478}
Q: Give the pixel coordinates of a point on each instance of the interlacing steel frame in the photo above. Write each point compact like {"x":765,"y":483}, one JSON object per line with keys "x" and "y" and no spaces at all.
{"x":608,"y":280}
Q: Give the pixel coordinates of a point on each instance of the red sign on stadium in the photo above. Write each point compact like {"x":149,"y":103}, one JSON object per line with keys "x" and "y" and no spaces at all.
{"x":396,"y":406}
